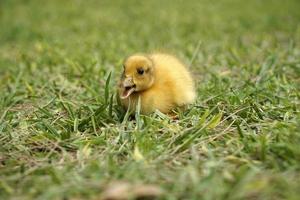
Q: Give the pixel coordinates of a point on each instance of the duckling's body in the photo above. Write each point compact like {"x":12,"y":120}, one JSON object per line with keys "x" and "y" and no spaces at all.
{"x":160,"y":80}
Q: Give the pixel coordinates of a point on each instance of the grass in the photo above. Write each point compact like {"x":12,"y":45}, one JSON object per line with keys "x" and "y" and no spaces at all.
{"x":64,"y":136}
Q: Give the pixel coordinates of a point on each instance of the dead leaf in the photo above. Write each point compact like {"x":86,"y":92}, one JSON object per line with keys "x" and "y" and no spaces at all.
{"x":147,"y":192}
{"x":126,"y":191}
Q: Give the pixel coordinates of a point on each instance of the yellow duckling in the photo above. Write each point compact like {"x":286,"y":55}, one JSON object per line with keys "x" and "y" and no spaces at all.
{"x":160,"y":80}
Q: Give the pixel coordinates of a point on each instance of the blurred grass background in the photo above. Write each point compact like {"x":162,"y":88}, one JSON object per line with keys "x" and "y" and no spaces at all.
{"x":63,"y":136}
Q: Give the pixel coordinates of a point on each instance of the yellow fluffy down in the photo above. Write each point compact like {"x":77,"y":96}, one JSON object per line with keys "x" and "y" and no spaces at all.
{"x":164,"y":85}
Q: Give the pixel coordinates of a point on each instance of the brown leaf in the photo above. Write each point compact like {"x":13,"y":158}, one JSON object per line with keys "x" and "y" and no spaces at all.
{"x":125,"y":191}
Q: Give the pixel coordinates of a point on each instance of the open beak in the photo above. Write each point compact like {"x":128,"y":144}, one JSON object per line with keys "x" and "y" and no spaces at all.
{"x":128,"y":87}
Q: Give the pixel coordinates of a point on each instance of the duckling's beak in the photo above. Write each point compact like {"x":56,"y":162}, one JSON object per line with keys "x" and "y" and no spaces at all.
{"x":129,"y":87}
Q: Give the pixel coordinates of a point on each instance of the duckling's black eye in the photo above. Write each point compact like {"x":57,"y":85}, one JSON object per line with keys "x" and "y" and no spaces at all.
{"x":140,"y":71}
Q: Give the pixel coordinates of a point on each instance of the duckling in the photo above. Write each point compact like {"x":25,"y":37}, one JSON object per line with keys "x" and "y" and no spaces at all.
{"x":161,"y":82}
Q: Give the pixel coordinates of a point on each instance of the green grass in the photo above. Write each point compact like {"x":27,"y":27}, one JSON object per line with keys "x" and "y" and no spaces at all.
{"x":63,"y":135}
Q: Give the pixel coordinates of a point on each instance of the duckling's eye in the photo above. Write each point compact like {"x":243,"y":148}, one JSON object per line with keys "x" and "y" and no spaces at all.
{"x":140,"y":71}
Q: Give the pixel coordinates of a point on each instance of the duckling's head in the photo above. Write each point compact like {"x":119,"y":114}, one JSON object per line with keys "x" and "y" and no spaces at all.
{"x":138,"y":75}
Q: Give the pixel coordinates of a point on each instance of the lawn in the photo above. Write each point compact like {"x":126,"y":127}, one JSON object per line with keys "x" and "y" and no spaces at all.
{"x":63,"y":134}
